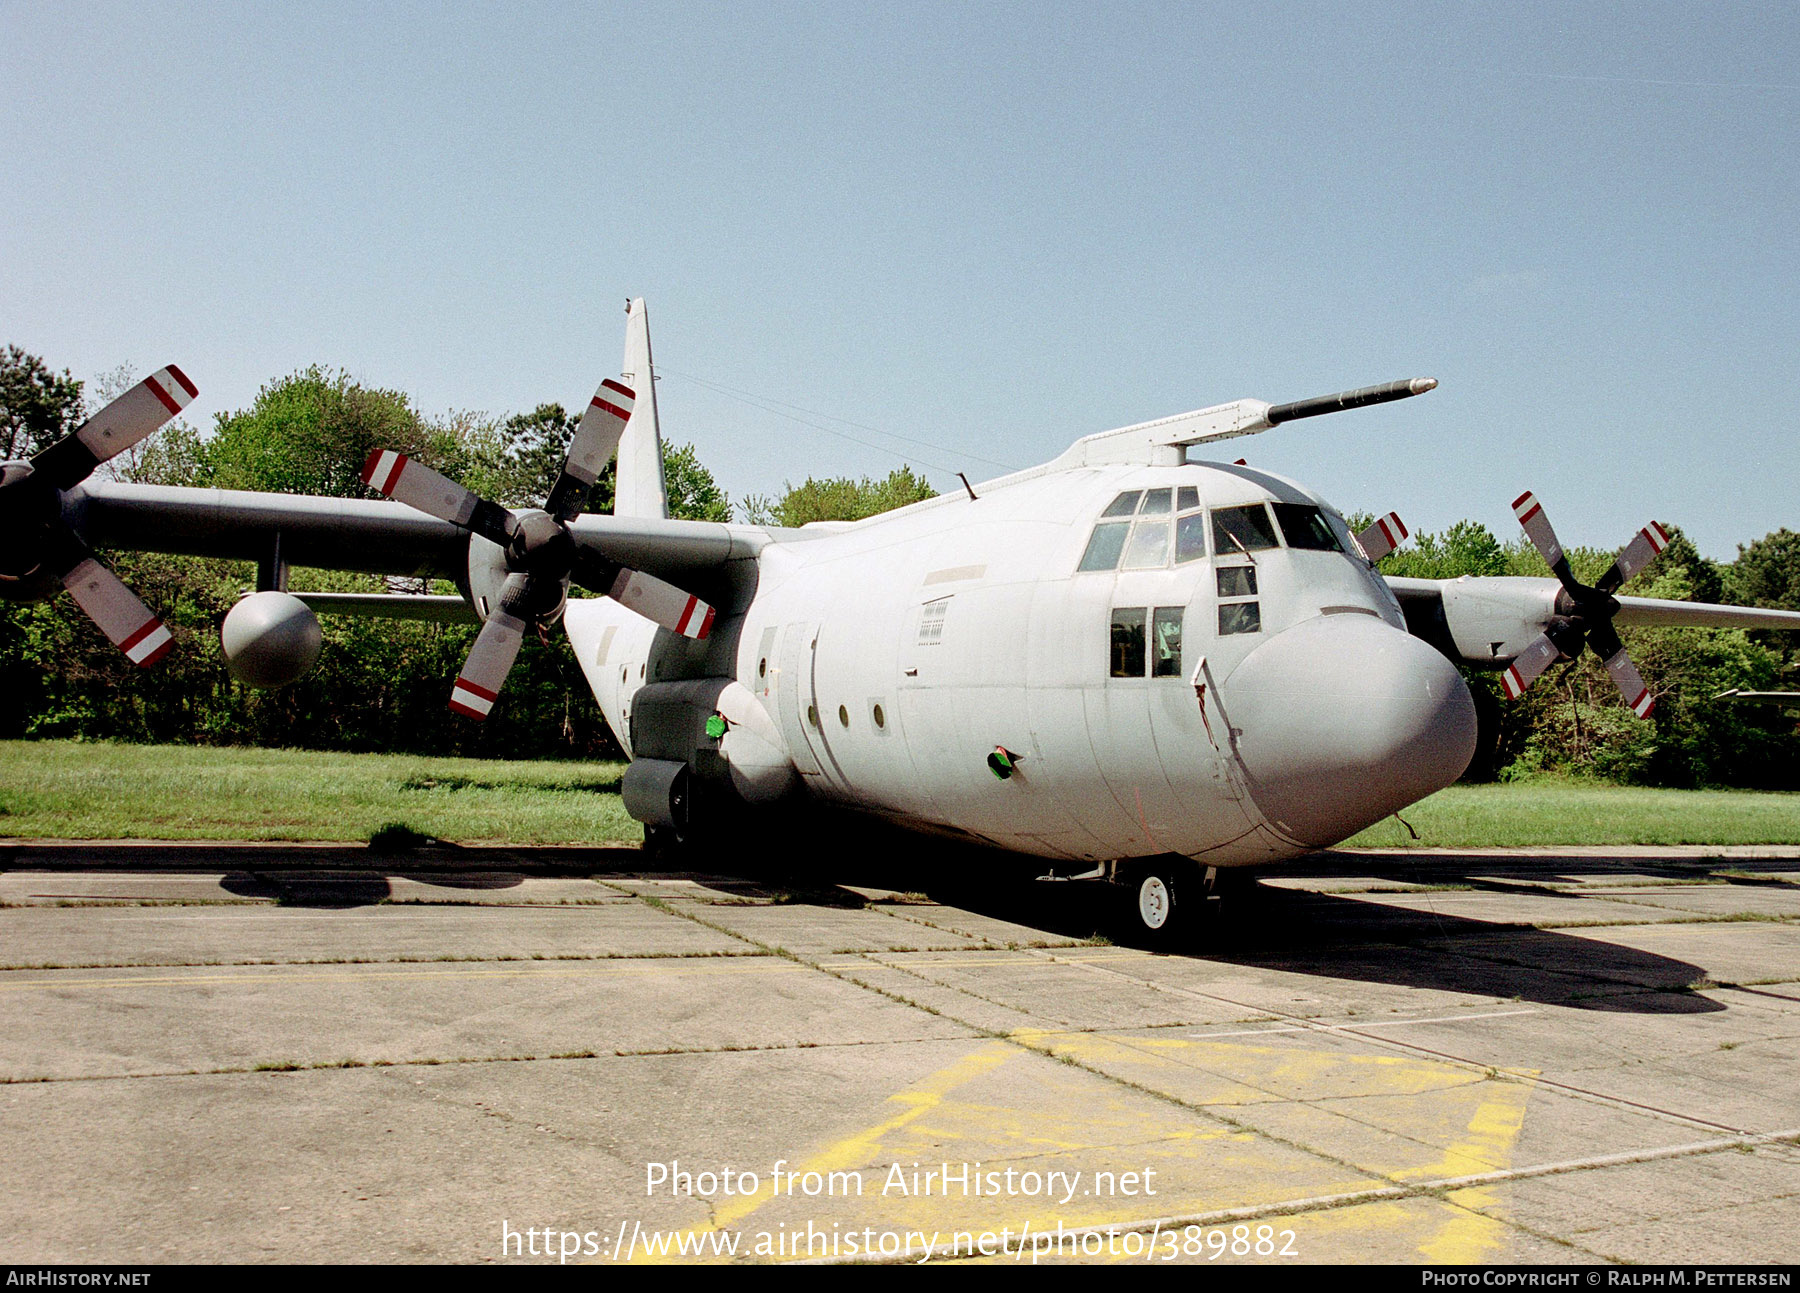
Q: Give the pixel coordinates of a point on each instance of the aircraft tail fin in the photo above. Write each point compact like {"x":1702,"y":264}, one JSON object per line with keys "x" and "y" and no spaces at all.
{"x":639,"y":490}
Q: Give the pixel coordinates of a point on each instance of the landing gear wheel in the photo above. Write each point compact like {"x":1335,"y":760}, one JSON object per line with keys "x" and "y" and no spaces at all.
{"x":1160,"y":905}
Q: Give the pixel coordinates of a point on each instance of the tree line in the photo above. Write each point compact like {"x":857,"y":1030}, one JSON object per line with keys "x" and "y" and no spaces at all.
{"x":381,"y":684}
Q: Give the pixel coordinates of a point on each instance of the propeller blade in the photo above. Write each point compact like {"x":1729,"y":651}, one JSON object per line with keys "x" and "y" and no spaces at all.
{"x":595,"y":441}
{"x":490,"y":660}
{"x":435,"y":494}
{"x":115,"y":428}
{"x":1382,"y":537}
{"x":1537,"y":528}
{"x":1644,"y":548}
{"x":662,"y":603}
{"x":1538,"y":656}
{"x":1604,"y":639}
{"x":1630,"y":683}
{"x":117,"y":612}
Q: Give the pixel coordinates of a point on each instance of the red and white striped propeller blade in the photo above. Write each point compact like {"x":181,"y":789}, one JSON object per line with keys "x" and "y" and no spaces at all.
{"x":1644,"y":548}
{"x":1382,"y":537}
{"x":1537,"y":528}
{"x":1630,"y":683}
{"x":1531,"y":662}
{"x":663,"y":603}
{"x":115,"y":428}
{"x":490,"y":660}
{"x":435,"y":494}
{"x":117,"y":612}
{"x":595,"y":441}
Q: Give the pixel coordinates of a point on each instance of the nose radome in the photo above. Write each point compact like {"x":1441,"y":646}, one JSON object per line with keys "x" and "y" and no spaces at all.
{"x":1343,"y":720}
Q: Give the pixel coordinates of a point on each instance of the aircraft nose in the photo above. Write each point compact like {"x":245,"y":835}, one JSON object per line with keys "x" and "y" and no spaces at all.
{"x":1343,"y":720}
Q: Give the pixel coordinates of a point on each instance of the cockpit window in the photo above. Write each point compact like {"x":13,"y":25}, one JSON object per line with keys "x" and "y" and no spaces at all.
{"x":1104,"y":547}
{"x":1249,"y":526}
{"x":1303,"y":527}
{"x":1151,"y":526}
{"x":1149,"y":546}
{"x":1190,"y":537}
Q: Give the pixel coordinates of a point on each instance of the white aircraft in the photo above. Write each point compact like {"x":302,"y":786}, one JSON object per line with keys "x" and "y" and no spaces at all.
{"x":1146,"y":669}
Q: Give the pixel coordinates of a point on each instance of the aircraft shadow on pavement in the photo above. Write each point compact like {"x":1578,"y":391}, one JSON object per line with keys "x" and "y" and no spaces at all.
{"x":1279,"y":928}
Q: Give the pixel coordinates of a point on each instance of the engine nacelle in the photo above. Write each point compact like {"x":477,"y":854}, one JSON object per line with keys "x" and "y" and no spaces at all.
{"x":1491,"y":620}
{"x":270,"y":639}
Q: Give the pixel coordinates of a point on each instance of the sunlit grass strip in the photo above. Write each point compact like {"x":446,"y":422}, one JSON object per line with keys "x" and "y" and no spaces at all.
{"x":1557,"y":812}
{"x":80,"y":790}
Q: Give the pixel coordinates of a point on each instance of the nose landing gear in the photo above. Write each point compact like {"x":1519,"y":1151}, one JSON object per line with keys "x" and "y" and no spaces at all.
{"x":1171,"y":903}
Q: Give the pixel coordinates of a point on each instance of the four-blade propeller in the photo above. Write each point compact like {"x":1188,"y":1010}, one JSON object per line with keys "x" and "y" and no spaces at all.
{"x":1583,"y":615}
{"x":39,"y":543}
{"x":542,"y":556}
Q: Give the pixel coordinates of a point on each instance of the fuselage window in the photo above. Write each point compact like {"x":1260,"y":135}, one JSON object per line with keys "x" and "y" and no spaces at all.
{"x":1104,"y":547}
{"x":1125,"y":504}
{"x":1250,"y":527}
{"x":1303,"y":527}
{"x":1165,"y":642}
{"x":1237,"y":581}
{"x":931,"y":622}
{"x":1128,"y":642}
{"x":1239,"y":617}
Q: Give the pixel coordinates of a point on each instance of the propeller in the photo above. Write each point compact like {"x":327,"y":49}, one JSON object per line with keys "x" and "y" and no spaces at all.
{"x":1381,"y":538}
{"x":1584,"y":615}
{"x":542,"y":557}
{"x":35,"y":541}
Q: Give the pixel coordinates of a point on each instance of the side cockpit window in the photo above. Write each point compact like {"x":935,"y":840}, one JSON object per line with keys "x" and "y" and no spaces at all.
{"x":1304,"y":527}
{"x":1142,"y":529}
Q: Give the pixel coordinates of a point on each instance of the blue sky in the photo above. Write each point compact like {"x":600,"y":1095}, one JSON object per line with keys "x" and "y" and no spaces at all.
{"x":991,"y":228}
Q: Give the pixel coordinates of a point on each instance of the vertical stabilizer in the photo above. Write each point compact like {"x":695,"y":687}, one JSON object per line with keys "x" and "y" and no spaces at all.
{"x":639,"y":490}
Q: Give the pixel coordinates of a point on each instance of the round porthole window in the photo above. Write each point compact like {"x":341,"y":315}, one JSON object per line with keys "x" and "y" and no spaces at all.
{"x":880,"y":718}
{"x":762,"y":667}
{"x":843,"y":716}
{"x":812,"y":715}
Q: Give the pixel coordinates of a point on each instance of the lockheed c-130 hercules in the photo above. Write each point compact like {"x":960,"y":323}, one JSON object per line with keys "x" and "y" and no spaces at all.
{"x":1146,"y":669}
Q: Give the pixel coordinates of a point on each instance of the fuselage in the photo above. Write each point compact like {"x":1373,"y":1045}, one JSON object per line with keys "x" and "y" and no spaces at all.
{"x":1187,"y":659}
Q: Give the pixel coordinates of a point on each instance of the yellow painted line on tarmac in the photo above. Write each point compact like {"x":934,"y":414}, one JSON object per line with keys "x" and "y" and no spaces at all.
{"x":746,"y":964}
{"x":1473,"y":1233}
{"x":904,"y":1106}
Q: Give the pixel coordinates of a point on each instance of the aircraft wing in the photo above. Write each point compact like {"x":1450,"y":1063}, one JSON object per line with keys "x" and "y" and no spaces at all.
{"x":382,"y":537}
{"x":1491,"y":620}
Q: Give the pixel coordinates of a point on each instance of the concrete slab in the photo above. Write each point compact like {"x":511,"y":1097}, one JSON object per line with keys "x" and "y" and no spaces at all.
{"x":1336,"y":1063}
{"x":64,"y":936}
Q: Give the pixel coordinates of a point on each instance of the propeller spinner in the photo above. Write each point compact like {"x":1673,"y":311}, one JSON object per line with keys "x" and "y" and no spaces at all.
{"x":1584,"y":614}
{"x":542,"y":557}
{"x":35,"y":541}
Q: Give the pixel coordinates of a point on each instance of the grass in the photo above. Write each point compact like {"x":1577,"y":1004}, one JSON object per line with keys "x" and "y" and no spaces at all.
{"x":1566,"y":811}
{"x":97,"y":790}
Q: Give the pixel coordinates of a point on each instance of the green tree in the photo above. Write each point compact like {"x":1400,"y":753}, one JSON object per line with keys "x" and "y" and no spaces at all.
{"x":37,"y":407}
{"x":1767,"y":572}
{"x":693,"y":493}
{"x":838,"y":499}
